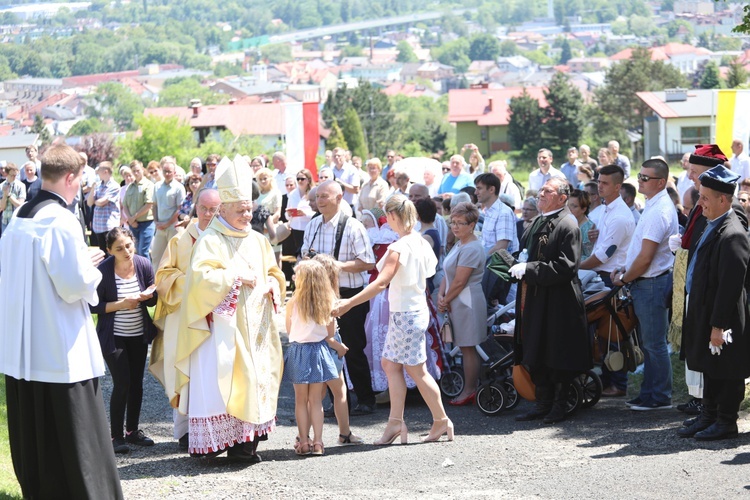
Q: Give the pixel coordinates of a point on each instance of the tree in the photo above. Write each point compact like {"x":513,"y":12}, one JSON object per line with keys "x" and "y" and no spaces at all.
{"x":405,"y":52}
{"x":351,"y":127}
{"x":565,"y":54}
{"x":455,"y":53}
{"x":87,"y":127}
{"x":508,"y":48}
{"x":710,"y":78}
{"x":737,"y":74}
{"x":525,"y":124}
{"x":616,"y":107}
{"x":179,"y":92}
{"x":99,"y":148}
{"x":563,"y":125}
{"x":336,"y":138}
{"x":158,"y":137}
{"x":39,"y":127}
{"x":115,"y":101}
{"x":484,"y":47}
{"x":375,"y":112}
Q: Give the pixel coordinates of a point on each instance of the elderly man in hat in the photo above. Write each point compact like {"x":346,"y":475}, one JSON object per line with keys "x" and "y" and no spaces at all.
{"x":705,"y":157}
{"x":229,"y":360}
{"x":714,"y":331}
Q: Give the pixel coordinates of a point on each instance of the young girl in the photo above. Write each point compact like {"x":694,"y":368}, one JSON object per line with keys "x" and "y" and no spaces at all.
{"x":310,"y":363}
{"x":338,"y":385}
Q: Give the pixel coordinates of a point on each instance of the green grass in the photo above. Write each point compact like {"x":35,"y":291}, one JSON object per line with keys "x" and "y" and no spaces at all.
{"x":8,"y":485}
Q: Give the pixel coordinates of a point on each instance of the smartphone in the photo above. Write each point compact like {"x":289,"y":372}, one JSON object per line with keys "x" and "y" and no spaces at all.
{"x":149,"y":290}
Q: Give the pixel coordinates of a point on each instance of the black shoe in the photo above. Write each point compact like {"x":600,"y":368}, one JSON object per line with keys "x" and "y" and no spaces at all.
{"x":695,"y":409}
{"x":362,"y":409}
{"x":139,"y":438}
{"x":718,"y":430}
{"x":690,"y":421}
{"x":698,"y":424}
{"x":328,"y":412}
{"x":184,"y":442}
{"x":242,"y":452}
{"x":539,"y":411}
{"x":119,"y":446}
{"x":634,"y":402}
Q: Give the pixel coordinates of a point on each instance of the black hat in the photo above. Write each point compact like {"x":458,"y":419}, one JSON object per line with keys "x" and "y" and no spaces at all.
{"x":720,"y":179}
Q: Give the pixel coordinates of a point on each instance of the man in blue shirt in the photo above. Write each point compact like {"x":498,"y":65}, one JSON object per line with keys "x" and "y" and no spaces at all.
{"x":456,"y":179}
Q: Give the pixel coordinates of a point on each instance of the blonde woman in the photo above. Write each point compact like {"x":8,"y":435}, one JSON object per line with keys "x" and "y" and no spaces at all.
{"x":405,"y":267}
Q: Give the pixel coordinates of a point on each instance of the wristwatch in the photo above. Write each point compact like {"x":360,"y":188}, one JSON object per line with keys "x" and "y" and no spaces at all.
{"x":621,"y":278}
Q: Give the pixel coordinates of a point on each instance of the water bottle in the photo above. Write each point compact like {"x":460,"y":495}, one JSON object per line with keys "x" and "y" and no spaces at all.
{"x":524,"y":256}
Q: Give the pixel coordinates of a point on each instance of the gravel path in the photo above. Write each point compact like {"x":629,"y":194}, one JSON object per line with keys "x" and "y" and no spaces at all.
{"x":603,"y":452}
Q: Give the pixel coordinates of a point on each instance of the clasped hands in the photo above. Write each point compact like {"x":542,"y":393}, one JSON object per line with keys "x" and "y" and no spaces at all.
{"x":719,"y":337}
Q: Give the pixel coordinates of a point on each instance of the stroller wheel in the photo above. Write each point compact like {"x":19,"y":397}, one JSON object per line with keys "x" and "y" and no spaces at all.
{"x":451,"y":384}
{"x":592,"y":387}
{"x":575,"y":397}
{"x":492,"y":398}
{"x":513,"y":397}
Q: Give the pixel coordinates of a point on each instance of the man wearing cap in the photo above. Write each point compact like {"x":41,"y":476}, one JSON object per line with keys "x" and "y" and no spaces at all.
{"x":648,"y":272}
{"x":714,"y":337}
{"x":105,"y":198}
{"x":705,"y":157}
{"x":170,"y":285}
{"x":229,"y":360}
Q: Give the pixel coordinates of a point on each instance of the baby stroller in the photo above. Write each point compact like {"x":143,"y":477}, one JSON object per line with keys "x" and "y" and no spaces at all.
{"x":497,"y":390}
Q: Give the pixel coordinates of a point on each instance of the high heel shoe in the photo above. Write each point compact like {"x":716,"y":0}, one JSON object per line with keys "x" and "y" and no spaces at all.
{"x":389,"y":439}
{"x":468,"y":400}
{"x":435,"y":435}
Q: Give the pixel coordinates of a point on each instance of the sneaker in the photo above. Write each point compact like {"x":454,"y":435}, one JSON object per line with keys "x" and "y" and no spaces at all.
{"x":651,"y":405}
{"x":139,"y":438}
{"x":119,"y":445}
{"x":692,"y":407}
{"x":634,"y":402}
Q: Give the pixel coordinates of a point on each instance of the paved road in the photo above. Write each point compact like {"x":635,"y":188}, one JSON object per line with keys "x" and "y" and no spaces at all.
{"x":603,"y":452}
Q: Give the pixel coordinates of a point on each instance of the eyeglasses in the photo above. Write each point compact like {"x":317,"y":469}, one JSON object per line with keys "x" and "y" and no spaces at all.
{"x":454,"y":223}
{"x":300,"y":179}
{"x":446,"y":170}
{"x":207,"y":210}
{"x":646,"y":178}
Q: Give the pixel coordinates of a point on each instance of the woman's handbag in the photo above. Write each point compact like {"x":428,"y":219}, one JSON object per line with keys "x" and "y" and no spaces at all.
{"x":523,"y":384}
{"x":446,"y":331}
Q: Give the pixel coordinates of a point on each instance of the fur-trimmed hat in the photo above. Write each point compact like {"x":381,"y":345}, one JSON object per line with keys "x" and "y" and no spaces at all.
{"x":707,"y":155}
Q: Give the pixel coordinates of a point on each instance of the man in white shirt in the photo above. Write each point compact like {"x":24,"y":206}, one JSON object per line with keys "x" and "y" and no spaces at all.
{"x":683,"y":180}
{"x":740,"y":161}
{"x":615,"y":229}
{"x":648,"y":271}
{"x":354,"y":255}
{"x":51,"y":358}
{"x":595,"y":207}
{"x":627,"y":192}
{"x":545,"y":172}
{"x":507,"y":186}
{"x":346,"y":176}
{"x":280,"y":170}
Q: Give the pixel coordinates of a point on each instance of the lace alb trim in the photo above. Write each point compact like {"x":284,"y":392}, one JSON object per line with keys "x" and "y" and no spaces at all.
{"x":218,"y":432}
{"x":228,"y":306}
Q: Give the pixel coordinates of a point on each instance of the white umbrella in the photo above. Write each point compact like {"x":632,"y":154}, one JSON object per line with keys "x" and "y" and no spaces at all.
{"x":415,"y":167}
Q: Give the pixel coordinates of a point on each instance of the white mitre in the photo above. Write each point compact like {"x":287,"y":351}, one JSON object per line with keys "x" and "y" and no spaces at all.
{"x":234,"y":180}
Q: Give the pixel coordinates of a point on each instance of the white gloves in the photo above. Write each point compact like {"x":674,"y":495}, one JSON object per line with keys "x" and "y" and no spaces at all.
{"x":716,"y":350}
{"x":518,"y":270}
{"x":675,"y":242}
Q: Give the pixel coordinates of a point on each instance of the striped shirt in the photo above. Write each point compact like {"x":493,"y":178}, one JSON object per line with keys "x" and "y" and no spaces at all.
{"x":321,"y":236}
{"x":128,"y":322}
{"x":108,"y":216}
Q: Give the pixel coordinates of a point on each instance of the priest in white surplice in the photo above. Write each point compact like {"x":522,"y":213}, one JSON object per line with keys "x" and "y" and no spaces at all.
{"x":49,"y":351}
{"x":229,"y":359}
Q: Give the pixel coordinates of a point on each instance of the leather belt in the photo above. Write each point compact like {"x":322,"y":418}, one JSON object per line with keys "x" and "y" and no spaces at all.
{"x":653,"y":277}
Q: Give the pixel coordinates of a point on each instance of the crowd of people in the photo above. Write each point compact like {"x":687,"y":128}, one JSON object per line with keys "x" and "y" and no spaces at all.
{"x":377,"y":259}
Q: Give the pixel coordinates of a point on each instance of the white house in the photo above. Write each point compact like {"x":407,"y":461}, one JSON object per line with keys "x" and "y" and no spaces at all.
{"x":680,"y":119}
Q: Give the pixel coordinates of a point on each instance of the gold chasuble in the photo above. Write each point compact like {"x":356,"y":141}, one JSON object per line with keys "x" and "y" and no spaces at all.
{"x":229,"y":359}
{"x":170,"y":287}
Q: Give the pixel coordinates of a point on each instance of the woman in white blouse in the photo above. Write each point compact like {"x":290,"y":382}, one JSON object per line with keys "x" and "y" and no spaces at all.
{"x":405,"y":267}
{"x":298,"y":210}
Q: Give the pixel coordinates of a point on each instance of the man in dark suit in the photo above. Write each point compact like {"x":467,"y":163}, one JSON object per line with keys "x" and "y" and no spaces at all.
{"x":714,"y":331}
{"x":551,"y":337}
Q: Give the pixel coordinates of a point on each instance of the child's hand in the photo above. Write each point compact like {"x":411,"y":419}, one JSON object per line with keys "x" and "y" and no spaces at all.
{"x":341,"y":350}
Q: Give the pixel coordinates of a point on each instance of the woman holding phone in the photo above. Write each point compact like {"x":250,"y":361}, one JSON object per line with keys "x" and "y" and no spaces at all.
{"x":125,"y":329}
{"x":298,"y":210}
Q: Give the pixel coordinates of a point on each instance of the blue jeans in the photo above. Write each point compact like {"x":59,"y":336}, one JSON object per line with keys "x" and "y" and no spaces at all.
{"x":650,"y":302}
{"x":144,"y":233}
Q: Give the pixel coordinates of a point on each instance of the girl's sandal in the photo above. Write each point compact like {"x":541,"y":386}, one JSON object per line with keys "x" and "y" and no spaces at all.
{"x":302,"y":449}
{"x":350,"y":439}
{"x":318,"y":449}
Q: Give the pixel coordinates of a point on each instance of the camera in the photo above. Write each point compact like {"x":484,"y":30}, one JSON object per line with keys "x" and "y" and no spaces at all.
{"x":311,"y":253}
